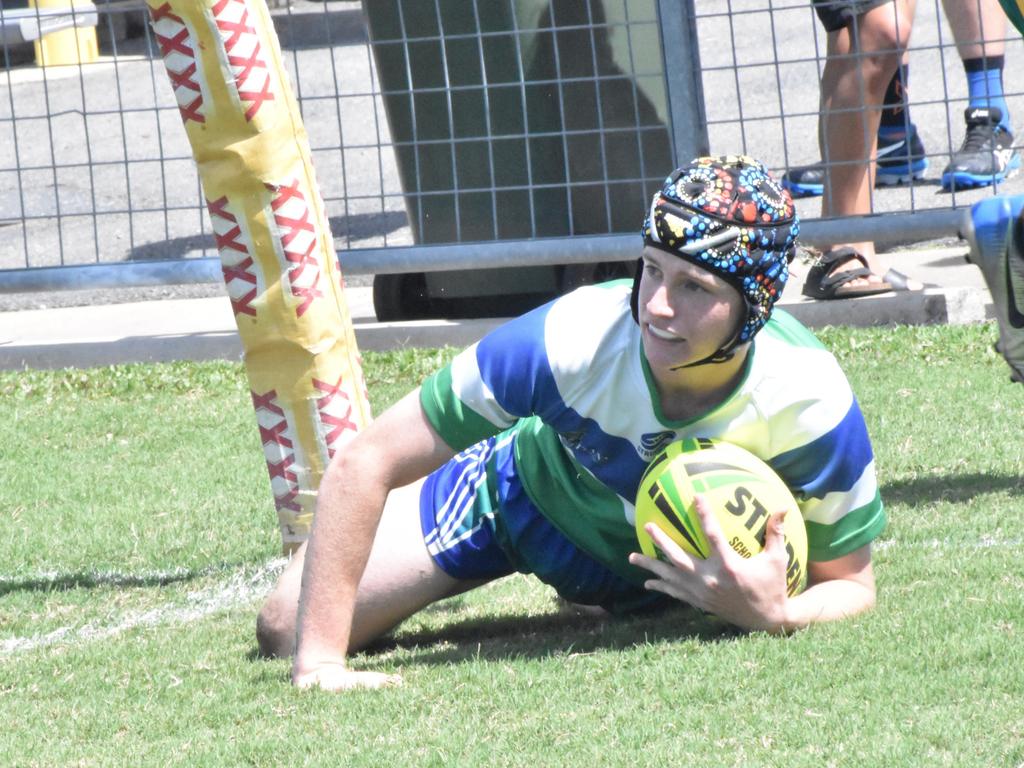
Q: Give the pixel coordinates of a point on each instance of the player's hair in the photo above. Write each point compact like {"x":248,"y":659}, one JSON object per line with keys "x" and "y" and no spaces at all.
{"x":729,"y":216}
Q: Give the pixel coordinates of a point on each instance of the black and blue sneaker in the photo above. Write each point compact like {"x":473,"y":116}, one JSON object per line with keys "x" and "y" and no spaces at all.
{"x":986,"y":156}
{"x":995,"y":231}
{"x":900,"y":161}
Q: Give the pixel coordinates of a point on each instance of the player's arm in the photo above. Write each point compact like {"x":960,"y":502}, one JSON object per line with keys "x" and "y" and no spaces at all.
{"x":836,"y":589}
{"x":751,"y":593}
{"x":399,"y":447}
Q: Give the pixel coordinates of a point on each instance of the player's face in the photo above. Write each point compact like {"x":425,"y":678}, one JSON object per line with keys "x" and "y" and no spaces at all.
{"x":686,"y":313}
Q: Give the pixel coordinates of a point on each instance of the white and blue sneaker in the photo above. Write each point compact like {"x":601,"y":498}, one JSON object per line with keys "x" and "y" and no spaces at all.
{"x":995,"y":231}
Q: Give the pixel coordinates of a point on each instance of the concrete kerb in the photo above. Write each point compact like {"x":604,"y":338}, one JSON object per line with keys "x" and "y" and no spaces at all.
{"x":204,"y":329}
{"x":182,"y":329}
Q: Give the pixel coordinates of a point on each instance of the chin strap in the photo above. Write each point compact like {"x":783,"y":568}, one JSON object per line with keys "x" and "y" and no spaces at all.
{"x":721,"y":356}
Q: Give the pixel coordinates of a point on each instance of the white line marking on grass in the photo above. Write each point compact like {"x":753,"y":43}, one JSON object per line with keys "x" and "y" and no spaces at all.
{"x":985,"y":542}
{"x":241,"y":588}
{"x":245,"y":585}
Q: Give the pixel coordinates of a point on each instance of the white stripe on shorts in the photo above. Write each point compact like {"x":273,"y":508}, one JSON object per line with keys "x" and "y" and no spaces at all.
{"x":450,"y":519}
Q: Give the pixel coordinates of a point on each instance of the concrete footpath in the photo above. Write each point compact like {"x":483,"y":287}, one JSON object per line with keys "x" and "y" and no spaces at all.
{"x":204,"y":328}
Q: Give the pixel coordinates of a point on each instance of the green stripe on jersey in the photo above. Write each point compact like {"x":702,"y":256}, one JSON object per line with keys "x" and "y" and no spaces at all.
{"x":560,"y":488}
{"x":785,"y":327}
{"x":457,"y":424}
{"x":848,"y":534}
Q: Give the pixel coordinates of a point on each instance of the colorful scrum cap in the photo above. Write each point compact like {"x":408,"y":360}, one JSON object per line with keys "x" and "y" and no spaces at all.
{"x":728,"y":215}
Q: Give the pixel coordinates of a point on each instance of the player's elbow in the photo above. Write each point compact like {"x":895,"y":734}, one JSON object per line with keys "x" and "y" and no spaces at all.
{"x":831,"y":600}
{"x":857,"y":596}
{"x":370,"y":465}
{"x":870,"y":596}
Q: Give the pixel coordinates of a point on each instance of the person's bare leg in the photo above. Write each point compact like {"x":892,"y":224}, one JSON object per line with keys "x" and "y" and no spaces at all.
{"x":861,"y":61}
{"x":979,"y":27}
{"x":400,"y":579}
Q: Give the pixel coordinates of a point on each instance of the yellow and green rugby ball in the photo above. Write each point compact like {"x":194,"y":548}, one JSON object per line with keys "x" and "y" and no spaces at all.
{"x":741,"y":489}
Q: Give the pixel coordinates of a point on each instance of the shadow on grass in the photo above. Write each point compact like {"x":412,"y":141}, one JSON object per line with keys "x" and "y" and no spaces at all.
{"x":65,"y":582}
{"x":955,"y":488}
{"x":541,"y":636}
{"x":551,"y":634}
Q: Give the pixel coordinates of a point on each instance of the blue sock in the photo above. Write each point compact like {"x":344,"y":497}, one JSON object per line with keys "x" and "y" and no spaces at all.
{"x":985,"y":86}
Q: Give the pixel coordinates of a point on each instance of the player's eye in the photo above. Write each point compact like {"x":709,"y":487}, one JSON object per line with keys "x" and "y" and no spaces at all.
{"x":651,"y":269}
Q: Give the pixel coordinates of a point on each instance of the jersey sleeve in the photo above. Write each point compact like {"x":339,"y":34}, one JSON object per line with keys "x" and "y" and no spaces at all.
{"x":833,"y":479}
{"x":820,"y":445}
{"x":489,"y":386}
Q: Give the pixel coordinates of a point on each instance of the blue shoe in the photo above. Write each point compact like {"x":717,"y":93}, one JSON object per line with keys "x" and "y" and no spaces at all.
{"x":986,"y":156}
{"x":899,"y":161}
{"x":995,"y":232}
{"x":805,"y":181}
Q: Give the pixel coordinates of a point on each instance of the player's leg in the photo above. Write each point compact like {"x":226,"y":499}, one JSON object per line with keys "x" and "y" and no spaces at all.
{"x":901,"y":156}
{"x":862,"y":58}
{"x":400,"y":579}
{"x":995,"y":231}
{"x":986,"y":155}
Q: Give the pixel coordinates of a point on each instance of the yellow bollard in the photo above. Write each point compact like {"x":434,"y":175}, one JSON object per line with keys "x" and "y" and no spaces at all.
{"x":277,"y":254}
{"x":76,"y":45}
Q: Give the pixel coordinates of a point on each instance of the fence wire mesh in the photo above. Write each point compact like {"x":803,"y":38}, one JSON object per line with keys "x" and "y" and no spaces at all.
{"x":442,"y":121}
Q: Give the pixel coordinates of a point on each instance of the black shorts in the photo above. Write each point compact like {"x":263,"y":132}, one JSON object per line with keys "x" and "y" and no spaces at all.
{"x":836,"y":14}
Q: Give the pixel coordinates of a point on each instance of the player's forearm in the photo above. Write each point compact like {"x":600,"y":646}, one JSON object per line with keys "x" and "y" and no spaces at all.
{"x":398,"y":448}
{"x":343,"y":531}
{"x":827,"y":601}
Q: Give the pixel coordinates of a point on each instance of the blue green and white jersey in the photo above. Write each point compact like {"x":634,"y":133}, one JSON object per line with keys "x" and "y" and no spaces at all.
{"x":572,"y":380}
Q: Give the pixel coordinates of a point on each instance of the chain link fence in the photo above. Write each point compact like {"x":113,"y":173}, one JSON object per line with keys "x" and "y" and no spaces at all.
{"x":515,"y":123}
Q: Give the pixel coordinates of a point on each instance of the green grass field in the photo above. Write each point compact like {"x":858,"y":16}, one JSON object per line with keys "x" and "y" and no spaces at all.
{"x":140,"y":538}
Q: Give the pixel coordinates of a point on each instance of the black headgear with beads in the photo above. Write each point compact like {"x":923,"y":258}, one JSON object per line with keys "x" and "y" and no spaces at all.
{"x":730,"y":217}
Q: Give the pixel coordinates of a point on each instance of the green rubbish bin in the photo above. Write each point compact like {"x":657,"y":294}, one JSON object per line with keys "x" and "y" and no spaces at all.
{"x":517,"y":119}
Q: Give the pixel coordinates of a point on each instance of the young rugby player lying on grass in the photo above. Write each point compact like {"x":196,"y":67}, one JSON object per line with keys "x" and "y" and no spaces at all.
{"x":525,"y":453}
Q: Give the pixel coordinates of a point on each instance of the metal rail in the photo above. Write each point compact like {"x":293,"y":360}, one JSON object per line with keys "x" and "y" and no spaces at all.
{"x":888,"y":228}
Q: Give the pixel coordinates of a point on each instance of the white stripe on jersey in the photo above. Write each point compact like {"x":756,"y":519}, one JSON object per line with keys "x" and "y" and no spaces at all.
{"x":469,"y":386}
{"x":831,"y":508}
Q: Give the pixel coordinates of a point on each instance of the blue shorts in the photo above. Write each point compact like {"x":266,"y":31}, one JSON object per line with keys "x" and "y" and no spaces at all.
{"x":479,"y":523}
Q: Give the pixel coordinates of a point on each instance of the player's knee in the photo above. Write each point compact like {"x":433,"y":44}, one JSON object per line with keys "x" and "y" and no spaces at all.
{"x":885,"y":41}
{"x":878,"y":70}
{"x":904,"y":23}
{"x":275,"y":628}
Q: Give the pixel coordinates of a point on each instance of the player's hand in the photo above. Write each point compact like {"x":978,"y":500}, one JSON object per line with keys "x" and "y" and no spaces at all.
{"x":750,"y":593}
{"x":336,"y":676}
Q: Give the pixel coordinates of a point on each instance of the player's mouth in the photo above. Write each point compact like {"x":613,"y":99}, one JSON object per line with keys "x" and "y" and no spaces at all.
{"x":664,"y":335}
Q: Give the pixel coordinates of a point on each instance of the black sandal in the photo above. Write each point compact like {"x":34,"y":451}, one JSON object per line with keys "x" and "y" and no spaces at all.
{"x":824,"y":283}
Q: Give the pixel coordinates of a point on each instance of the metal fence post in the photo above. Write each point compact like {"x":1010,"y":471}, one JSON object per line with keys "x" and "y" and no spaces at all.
{"x":683,"y":79}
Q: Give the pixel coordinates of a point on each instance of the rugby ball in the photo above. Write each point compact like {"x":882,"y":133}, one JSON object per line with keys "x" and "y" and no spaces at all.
{"x":742,"y":490}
